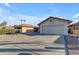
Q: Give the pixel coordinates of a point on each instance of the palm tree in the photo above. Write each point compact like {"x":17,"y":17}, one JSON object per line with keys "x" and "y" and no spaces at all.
{"x":22,"y":21}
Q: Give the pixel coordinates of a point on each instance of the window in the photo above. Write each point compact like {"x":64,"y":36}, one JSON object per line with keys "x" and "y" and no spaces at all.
{"x":77,"y":27}
{"x":50,"y":21}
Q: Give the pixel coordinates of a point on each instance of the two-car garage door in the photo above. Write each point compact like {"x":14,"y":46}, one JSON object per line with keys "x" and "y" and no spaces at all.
{"x":54,"y":29}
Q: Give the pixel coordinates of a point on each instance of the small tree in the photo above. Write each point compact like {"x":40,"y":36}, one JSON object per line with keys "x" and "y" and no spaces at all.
{"x":3,"y":23}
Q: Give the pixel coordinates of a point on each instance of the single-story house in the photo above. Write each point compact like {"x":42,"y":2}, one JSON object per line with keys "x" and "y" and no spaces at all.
{"x":54,"y":25}
{"x":74,"y":28}
{"x":26,"y":27}
{"x":7,"y":27}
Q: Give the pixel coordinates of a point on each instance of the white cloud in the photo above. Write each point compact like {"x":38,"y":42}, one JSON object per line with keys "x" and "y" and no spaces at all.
{"x":76,"y":15}
{"x":8,"y":18}
{"x":21,"y":16}
{"x":29,"y":19}
{"x":54,"y":10}
{"x":7,"y":4}
{"x":13,"y":18}
{"x":2,"y":11}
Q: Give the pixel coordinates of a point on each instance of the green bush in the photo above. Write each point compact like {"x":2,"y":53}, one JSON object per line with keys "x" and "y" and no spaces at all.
{"x":17,"y":31}
{"x":9,"y":31}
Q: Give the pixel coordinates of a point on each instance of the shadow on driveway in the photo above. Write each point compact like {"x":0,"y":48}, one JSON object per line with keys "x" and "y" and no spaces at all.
{"x":17,"y":50}
{"x":7,"y":43}
{"x":24,"y":54}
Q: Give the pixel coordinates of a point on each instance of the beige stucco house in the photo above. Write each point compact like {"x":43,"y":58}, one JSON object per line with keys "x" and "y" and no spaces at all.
{"x":74,"y":28}
{"x":54,"y":25}
{"x":7,"y":27}
{"x":26,"y":28}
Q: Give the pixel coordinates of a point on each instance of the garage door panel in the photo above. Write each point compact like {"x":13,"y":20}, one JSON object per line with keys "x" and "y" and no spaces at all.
{"x":53,"y":30}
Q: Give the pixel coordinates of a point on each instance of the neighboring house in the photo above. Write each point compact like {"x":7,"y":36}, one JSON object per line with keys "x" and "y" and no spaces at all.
{"x":54,"y":25}
{"x":74,"y":28}
{"x":7,"y":27}
{"x":25,"y":28}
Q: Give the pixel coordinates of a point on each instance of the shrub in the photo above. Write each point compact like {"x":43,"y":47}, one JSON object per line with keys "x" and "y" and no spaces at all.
{"x":17,"y":31}
{"x":9,"y":31}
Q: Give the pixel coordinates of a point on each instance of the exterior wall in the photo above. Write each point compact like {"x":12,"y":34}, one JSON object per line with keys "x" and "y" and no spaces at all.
{"x":75,"y":29}
{"x":26,"y":29}
{"x":55,"y":27}
{"x":7,"y":27}
{"x":1,"y":27}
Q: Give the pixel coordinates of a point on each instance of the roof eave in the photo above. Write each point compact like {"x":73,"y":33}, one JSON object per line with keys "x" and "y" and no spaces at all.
{"x":69,"y":21}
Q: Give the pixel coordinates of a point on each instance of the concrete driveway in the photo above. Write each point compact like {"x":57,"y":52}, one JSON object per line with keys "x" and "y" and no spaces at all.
{"x":22,"y":44}
{"x":34,"y":44}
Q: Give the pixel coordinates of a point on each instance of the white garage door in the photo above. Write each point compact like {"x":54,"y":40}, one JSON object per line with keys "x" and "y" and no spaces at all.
{"x":53,"y":30}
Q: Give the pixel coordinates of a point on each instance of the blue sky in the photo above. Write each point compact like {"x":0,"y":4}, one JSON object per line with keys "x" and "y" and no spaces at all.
{"x":35,"y":13}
